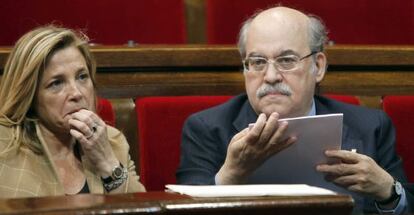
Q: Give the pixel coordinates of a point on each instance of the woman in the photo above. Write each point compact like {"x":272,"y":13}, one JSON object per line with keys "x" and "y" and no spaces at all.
{"x":51,"y":140}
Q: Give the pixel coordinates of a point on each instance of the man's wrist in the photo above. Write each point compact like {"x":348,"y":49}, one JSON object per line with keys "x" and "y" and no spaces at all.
{"x":396,"y":191}
{"x":227,"y":175}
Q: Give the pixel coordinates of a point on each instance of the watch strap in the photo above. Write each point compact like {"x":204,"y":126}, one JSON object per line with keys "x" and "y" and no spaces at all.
{"x":394,"y":195}
{"x":117,"y":178}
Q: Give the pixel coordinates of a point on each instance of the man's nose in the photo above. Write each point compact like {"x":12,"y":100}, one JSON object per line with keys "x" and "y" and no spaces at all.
{"x":272,"y":74}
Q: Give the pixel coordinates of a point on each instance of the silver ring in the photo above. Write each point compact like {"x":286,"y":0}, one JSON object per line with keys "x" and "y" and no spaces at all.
{"x":94,"y":127}
{"x":93,"y":130}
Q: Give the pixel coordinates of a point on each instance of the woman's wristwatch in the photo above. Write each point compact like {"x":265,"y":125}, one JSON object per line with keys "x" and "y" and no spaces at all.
{"x":116,"y":179}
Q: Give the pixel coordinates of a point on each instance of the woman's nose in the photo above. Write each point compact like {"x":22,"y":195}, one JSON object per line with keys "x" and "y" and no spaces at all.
{"x":74,"y":91}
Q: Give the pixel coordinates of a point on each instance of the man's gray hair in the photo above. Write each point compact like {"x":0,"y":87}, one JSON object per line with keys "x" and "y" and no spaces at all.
{"x":318,"y":34}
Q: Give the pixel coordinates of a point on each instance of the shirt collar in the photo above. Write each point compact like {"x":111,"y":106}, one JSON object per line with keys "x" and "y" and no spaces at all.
{"x":312,"y":111}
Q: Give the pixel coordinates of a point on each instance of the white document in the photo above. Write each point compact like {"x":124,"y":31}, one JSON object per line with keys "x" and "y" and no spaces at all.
{"x":248,"y":190}
{"x":297,"y":163}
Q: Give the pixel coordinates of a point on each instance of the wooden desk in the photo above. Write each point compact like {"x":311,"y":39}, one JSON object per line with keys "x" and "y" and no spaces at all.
{"x":169,"y":203}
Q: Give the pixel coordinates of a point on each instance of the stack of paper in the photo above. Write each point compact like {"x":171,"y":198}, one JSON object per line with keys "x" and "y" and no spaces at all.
{"x":297,"y":163}
{"x":248,"y":190}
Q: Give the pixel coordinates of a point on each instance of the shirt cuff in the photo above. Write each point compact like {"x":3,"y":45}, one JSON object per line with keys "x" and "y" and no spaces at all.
{"x":399,"y":209}
{"x":216,"y":181}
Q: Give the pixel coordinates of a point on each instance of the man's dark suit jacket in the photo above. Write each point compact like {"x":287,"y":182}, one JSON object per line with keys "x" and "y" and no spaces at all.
{"x":207,"y":134}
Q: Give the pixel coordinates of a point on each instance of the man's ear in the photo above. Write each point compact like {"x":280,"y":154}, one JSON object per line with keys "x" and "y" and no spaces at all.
{"x":321,"y":66}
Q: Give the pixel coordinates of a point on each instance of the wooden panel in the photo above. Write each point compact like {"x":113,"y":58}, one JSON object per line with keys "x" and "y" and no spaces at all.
{"x":369,"y":83}
{"x":125,"y":72}
{"x":170,"y":83}
{"x":195,"y":21}
{"x":370,"y":55}
{"x":217,"y":56}
{"x":125,"y":121}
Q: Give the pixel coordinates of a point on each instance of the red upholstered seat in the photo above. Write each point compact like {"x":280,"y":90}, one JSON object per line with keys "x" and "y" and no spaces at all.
{"x":160,"y":122}
{"x":348,"y":22}
{"x":344,"y":98}
{"x":400,"y":110}
{"x":105,"y":22}
{"x":105,"y":111}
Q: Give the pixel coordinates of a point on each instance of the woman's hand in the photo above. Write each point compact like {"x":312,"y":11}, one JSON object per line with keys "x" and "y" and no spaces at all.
{"x":90,"y":131}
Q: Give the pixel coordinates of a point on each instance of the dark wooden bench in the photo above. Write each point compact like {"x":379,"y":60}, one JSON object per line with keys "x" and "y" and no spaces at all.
{"x":124,"y":74}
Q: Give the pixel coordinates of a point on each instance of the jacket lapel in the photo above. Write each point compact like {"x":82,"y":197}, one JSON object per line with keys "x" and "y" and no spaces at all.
{"x":59,"y":187}
{"x":245,"y":116}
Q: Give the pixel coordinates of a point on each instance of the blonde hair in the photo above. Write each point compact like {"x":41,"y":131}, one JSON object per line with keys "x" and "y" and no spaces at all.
{"x":24,"y":67}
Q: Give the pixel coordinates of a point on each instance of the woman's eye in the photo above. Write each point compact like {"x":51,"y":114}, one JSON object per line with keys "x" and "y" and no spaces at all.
{"x":83,"y":76}
{"x":55,"y":84}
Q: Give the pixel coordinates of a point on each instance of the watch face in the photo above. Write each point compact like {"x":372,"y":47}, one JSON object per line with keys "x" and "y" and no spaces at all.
{"x":117,"y":173}
{"x":398,"y":188}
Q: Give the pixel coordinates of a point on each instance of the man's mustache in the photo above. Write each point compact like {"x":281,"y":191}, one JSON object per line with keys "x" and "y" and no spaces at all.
{"x":280,"y":88}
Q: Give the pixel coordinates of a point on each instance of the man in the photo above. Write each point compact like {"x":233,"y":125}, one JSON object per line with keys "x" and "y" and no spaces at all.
{"x":283,"y":59}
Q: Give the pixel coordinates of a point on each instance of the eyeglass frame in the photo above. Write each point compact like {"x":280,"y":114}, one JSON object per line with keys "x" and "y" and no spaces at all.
{"x":276,"y":65}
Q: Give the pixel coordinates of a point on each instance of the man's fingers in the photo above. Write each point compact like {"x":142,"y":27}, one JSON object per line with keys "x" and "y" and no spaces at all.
{"x":276,"y":137}
{"x":281,"y":145}
{"x":344,"y":156}
{"x":340,"y":169}
{"x":241,"y":134}
{"x":255,"y":132}
{"x":270,"y":129}
{"x":356,"y":188}
{"x":345,"y":181}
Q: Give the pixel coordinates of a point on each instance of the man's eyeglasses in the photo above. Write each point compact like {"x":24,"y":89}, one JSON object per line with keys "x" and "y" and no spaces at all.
{"x":285,"y":63}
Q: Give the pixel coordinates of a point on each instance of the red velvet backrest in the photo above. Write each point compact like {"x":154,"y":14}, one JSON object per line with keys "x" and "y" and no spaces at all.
{"x":105,"y":111}
{"x":104,"y":21}
{"x":344,"y":98}
{"x":401,"y":111}
{"x":160,"y":123}
{"x":348,"y":22}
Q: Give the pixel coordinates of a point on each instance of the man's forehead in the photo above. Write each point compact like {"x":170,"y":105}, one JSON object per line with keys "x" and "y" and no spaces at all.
{"x":274,"y":54}
{"x":280,"y":13}
{"x":280,"y":20}
{"x":276,"y":43}
{"x":275,"y":32}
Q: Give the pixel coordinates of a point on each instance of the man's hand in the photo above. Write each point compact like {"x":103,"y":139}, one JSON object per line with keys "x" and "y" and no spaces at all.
{"x":251,"y":147}
{"x":358,"y":173}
